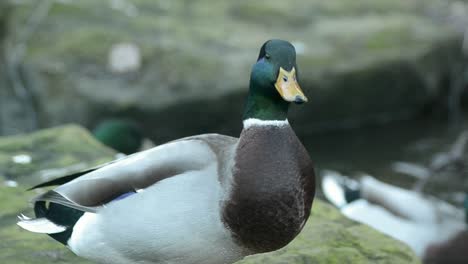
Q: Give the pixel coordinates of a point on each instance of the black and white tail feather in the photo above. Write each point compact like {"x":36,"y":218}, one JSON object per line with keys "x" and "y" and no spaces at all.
{"x":42,"y":224}
{"x":39,"y":225}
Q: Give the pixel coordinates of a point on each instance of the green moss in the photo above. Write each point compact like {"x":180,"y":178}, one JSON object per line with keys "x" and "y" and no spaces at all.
{"x":20,"y":246}
{"x":13,"y":199}
{"x":49,"y":149}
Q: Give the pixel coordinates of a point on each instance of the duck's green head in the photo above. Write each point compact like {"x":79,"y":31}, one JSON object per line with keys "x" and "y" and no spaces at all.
{"x":121,"y":135}
{"x":274,"y":82}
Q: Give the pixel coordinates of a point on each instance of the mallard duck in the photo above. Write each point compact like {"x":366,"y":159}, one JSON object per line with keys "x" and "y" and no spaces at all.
{"x":202,"y":199}
{"x":416,"y":219}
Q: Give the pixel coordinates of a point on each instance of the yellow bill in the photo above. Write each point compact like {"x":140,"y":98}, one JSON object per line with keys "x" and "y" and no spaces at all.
{"x":288,"y":88}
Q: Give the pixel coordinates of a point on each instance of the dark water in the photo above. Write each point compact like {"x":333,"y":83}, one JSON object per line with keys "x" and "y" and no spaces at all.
{"x":373,"y":150}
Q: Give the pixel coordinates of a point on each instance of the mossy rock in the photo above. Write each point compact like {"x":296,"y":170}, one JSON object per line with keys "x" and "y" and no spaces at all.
{"x":38,"y":156}
{"x":328,"y":236}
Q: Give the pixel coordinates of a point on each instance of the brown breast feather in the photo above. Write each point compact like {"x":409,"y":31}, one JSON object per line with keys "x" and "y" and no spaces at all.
{"x":273,"y":188}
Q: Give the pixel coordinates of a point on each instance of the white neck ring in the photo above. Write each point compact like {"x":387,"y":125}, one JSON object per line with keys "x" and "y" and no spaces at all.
{"x":250,"y":122}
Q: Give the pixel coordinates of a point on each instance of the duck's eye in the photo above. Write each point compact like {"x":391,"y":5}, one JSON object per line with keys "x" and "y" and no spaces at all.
{"x":285,"y":78}
{"x":267,"y":56}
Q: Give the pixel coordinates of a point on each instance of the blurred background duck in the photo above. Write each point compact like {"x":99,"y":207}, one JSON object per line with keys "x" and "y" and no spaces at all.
{"x":122,"y":135}
{"x":418,"y":220}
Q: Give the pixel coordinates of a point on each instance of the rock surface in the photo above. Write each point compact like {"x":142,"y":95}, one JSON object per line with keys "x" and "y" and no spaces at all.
{"x":360,"y":61}
{"x":328,"y":236}
{"x":49,"y":153}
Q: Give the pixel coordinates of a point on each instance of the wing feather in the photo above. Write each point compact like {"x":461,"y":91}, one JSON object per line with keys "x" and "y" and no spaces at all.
{"x":54,"y":197}
{"x":90,"y":189}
